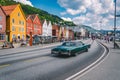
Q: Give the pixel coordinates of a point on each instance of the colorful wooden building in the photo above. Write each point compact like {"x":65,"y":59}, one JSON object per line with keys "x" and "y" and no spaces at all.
{"x":44,"y":28}
{"x":15,"y":22}
{"x":55,"y":31}
{"x":49,"y":27}
{"x":34,"y":25}
{"x":2,"y":25}
{"x":71,"y":34}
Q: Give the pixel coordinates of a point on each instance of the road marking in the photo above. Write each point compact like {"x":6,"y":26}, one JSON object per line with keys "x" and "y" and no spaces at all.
{"x":88,"y":68}
{"x":32,"y":60}
{"x":5,"y":65}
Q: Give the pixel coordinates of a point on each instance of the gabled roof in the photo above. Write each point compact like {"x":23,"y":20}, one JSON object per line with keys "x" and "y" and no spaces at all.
{"x":2,"y":9}
{"x":8,"y":9}
{"x":32,"y":16}
{"x":28,"y":17}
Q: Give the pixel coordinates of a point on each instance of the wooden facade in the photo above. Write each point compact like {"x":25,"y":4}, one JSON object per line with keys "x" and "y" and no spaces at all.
{"x":2,"y":25}
{"x":15,"y":22}
{"x":34,"y":25}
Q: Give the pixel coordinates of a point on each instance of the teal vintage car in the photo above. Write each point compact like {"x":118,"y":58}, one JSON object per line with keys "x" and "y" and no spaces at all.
{"x":70,"y":48}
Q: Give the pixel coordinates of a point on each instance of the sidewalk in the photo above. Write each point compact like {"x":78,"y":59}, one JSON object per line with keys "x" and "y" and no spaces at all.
{"x":109,"y":69}
{"x":118,"y":43}
{"x":18,"y":49}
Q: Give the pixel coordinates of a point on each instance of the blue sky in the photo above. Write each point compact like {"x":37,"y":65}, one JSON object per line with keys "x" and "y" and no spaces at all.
{"x":50,"y":6}
{"x":96,"y":13}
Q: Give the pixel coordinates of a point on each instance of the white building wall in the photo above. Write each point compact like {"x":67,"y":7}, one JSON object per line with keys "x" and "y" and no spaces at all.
{"x":49,"y":29}
{"x":67,"y":33}
{"x":44,"y":28}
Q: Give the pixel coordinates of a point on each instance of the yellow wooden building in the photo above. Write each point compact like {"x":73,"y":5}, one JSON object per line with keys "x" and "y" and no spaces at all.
{"x":16,"y":22}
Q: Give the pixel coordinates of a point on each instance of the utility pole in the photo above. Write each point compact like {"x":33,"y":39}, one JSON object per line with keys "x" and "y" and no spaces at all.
{"x":114,"y":22}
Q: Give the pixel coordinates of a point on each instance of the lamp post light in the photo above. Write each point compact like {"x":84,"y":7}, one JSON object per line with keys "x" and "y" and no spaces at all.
{"x":114,"y":22}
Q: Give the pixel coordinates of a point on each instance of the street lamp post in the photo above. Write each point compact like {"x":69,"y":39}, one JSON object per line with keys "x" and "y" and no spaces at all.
{"x":100,"y":29}
{"x":114,"y":22}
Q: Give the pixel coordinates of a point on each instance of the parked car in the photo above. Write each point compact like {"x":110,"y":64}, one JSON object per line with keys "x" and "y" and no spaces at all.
{"x":70,"y":48}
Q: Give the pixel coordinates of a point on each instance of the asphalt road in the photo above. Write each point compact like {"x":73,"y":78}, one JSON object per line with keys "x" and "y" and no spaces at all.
{"x":41,"y":65}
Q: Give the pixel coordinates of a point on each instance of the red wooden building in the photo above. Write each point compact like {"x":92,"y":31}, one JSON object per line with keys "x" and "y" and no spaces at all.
{"x":71,"y":34}
{"x":55,"y":31}
{"x":2,"y":25}
{"x":34,"y":25}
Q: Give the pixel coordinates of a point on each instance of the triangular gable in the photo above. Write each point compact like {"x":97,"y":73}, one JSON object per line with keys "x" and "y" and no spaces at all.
{"x":22,"y":11}
{"x":36,"y":16}
{"x":28,"y":17}
{"x":9,"y":9}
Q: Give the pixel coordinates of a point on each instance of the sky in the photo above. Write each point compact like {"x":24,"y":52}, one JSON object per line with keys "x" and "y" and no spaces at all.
{"x":98,"y":14}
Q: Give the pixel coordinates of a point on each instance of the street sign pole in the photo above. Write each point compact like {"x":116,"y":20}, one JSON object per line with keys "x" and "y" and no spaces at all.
{"x":114,"y":22}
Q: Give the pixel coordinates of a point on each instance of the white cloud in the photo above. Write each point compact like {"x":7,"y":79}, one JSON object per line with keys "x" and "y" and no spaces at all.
{"x":63,"y":13}
{"x":80,"y":20}
{"x":27,"y":2}
{"x":91,"y":12}
{"x":66,"y":19}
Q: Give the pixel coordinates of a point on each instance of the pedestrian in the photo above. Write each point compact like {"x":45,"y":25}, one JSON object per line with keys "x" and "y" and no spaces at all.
{"x":11,"y":44}
{"x":107,"y":38}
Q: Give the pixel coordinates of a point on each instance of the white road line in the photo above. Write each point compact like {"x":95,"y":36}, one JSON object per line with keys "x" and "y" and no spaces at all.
{"x":88,"y":68}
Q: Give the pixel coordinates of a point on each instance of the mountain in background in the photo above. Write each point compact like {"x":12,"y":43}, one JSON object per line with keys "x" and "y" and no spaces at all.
{"x":42,"y":14}
{"x":88,"y":28}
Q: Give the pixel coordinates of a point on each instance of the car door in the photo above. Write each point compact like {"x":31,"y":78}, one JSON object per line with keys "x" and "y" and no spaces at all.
{"x":78,"y":47}
{"x":81,"y":46}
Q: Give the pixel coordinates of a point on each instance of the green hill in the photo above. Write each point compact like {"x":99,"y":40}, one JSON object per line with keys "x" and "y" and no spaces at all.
{"x":42,"y":14}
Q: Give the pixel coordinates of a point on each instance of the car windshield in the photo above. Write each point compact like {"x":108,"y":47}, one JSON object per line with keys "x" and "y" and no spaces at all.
{"x":68,"y":44}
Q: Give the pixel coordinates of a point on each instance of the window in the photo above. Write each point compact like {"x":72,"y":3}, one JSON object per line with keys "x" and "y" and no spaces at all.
{"x":69,"y":44}
{"x":19,"y":22}
{"x":13,"y":28}
{"x":19,"y":29}
{"x":13,"y":36}
{"x":54,"y":32}
{"x":13,"y":21}
{"x":18,"y":14}
{"x":22,"y":29}
{"x":2,"y":36}
{"x":23,"y":23}
{"x":0,"y":18}
{"x":0,"y":27}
